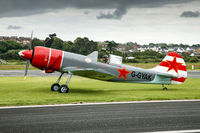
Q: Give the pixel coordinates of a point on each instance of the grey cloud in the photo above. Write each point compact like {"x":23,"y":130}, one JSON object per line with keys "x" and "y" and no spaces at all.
{"x":117,"y":14}
{"x":86,"y":12}
{"x":16,"y":8}
{"x":14,"y":27}
{"x":190,"y":14}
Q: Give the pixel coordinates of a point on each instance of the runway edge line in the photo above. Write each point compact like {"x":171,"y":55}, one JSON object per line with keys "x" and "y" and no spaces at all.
{"x":101,"y":103}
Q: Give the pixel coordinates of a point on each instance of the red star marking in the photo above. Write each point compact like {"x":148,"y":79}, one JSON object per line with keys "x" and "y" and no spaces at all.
{"x":173,"y":65}
{"x":123,"y":73}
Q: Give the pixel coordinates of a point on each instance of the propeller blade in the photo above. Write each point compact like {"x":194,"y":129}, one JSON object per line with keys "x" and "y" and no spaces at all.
{"x":31,"y":45}
{"x":26,"y":70}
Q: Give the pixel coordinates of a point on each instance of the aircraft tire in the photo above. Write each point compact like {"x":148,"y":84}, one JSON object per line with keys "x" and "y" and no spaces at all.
{"x":63,"y":89}
{"x":55,"y":87}
{"x":165,"y":88}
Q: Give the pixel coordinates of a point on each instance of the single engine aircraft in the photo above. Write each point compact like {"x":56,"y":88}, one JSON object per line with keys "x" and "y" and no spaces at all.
{"x":171,"y":70}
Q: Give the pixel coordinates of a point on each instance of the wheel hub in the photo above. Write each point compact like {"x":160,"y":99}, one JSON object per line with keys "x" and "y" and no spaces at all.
{"x":56,"y":88}
{"x":63,"y":89}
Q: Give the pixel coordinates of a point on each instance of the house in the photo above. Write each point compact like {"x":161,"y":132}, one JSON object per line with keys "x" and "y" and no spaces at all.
{"x":21,"y":40}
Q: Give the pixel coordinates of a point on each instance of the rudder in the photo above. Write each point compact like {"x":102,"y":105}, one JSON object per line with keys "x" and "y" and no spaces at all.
{"x":173,"y":64}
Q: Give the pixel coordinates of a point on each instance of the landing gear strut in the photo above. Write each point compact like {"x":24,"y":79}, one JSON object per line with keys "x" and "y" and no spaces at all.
{"x":56,"y":86}
{"x":62,"y":88}
{"x":164,"y":88}
{"x":65,"y":88}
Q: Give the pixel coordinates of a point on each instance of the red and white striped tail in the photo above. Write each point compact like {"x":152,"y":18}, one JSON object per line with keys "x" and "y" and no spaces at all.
{"x":173,"y":64}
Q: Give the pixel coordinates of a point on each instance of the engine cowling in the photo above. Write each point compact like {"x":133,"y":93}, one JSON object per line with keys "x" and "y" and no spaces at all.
{"x":47,"y":58}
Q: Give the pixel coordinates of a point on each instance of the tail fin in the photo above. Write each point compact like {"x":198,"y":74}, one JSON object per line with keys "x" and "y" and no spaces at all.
{"x":174,"y":65}
{"x":93,"y":56}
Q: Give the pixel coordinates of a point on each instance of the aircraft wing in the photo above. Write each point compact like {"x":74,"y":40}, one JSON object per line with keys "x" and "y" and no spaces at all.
{"x":73,"y":69}
{"x":89,"y":73}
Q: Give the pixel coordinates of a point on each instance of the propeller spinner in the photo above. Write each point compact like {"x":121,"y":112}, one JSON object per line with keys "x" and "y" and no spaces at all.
{"x":26,"y":54}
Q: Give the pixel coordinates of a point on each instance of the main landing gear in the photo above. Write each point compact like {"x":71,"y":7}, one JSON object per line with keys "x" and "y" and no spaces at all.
{"x":62,"y":88}
{"x":164,"y":88}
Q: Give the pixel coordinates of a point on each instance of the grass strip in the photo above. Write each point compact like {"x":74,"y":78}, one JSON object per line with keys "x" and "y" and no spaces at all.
{"x":36,"y":91}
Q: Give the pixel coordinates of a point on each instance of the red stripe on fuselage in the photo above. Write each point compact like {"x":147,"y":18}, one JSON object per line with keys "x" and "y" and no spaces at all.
{"x":165,"y":64}
{"x":55,"y":59}
{"x":182,"y":79}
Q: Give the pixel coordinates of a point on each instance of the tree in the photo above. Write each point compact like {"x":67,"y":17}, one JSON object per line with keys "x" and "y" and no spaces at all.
{"x":111,"y":46}
{"x":186,"y":57}
{"x":49,"y":40}
{"x":9,"y":45}
{"x":57,"y":43}
{"x":3,"y":47}
{"x":147,"y":56}
{"x":79,"y":45}
{"x":193,"y":59}
{"x":152,"y":45}
{"x":84,"y":45}
{"x":163,"y":46}
{"x":11,"y":55}
{"x":37,"y":42}
{"x":68,"y":46}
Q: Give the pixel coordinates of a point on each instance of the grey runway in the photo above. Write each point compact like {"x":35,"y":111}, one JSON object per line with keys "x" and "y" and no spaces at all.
{"x":126,"y":117}
{"x":193,"y":74}
{"x":31,"y":73}
{"x":36,"y":73}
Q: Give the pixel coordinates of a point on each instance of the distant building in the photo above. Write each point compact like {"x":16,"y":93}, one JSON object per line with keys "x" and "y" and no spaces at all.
{"x":130,"y":58}
{"x":21,"y":40}
{"x":24,"y":40}
{"x":122,"y":48}
{"x":13,"y":38}
{"x":198,"y":51}
{"x":103,"y":45}
{"x":1,"y":38}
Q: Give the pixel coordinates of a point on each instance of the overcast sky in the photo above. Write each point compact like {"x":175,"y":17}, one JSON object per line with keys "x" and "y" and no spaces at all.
{"x":141,"y":21}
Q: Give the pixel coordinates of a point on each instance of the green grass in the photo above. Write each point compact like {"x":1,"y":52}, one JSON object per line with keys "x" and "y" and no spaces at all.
{"x":36,"y":91}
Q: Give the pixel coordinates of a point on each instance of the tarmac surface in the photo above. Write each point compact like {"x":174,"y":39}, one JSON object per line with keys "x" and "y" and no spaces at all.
{"x":36,"y":73}
{"x":118,"y":117}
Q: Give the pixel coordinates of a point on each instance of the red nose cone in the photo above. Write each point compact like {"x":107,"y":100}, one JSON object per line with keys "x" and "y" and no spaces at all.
{"x":26,"y":54}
